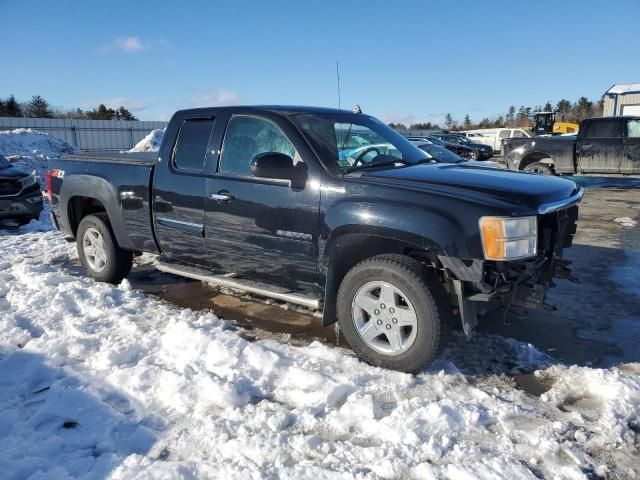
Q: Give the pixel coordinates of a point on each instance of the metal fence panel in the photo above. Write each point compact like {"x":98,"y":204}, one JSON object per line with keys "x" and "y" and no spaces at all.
{"x":87,"y":134}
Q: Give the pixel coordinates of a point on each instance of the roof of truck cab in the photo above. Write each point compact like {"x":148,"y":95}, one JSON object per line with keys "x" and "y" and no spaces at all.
{"x":285,"y":109}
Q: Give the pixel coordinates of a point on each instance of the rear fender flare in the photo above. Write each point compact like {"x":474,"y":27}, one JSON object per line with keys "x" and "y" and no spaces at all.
{"x":101,"y":190}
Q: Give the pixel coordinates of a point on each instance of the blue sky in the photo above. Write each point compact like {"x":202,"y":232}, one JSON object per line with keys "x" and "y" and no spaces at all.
{"x":402,"y":61}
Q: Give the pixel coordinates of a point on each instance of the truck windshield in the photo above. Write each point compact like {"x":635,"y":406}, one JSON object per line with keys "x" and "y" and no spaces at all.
{"x":356,"y":140}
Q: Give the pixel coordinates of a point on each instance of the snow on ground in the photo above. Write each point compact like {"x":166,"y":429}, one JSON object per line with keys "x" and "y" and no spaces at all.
{"x":103,"y":381}
{"x":625,"y":221}
{"x":150,"y":143}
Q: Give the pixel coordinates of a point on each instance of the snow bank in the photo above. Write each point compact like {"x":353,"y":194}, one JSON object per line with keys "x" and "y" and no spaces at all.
{"x":99,"y":381}
{"x":25,"y":142}
{"x":150,"y":143}
{"x":31,"y":149}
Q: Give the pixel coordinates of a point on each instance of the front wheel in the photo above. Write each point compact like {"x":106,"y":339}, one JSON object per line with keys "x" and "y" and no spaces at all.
{"x":393,"y":312}
{"x":99,"y":251}
{"x":539,"y":168}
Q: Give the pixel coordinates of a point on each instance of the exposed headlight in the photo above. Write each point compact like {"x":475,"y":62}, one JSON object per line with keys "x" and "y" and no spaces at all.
{"x":505,"y":238}
{"x":28,"y":181}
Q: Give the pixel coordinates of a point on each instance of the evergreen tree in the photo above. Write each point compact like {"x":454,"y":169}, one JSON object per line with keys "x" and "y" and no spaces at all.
{"x":12,"y":107}
{"x":583,"y":108}
{"x":547,"y":106}
{"x":38,"y":107}
{"x":563,"y":106}
{"x":124,"y":114}
{"x":102,"y":113}
{"x":2,"y":112}
{"x":467,"y":122}
{"x":448,"y":121}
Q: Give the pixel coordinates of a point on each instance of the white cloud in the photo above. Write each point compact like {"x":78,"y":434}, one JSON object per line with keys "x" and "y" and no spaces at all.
{"x":131,"y":44}
{"x":216,"y":98}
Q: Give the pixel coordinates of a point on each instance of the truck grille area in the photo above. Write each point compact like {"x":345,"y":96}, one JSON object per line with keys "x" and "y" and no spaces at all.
{"x":9,"y":186}
{"x":556,"y":230}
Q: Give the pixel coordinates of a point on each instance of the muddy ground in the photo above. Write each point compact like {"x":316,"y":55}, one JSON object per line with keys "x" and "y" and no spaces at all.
{"x":595,"y":322}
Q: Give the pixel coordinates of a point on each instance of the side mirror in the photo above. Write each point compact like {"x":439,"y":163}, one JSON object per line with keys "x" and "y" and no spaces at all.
{"x":279,"y":166}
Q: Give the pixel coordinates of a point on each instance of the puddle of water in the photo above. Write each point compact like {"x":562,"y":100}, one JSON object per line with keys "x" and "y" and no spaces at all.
{"x":249,"y":313}
{"x":532,"y":384}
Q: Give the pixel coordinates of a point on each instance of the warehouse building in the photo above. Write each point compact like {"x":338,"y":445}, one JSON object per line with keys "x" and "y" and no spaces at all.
{"x":622,"y":99}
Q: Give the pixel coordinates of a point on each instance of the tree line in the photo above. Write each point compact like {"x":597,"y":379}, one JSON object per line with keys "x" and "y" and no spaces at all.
{"x":565,"y":110}
{"x":38,"y":107}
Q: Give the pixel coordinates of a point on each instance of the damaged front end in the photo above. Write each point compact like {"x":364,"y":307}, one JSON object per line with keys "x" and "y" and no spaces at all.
{"x":480,"y":286}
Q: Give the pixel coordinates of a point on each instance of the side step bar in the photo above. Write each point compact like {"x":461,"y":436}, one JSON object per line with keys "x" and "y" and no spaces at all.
{"x":243,"y":285}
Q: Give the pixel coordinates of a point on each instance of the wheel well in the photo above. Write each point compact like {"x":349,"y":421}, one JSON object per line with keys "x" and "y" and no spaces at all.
{"x":535,"y":157}
{"x":79,"y":207}
{"x":351,"y":249}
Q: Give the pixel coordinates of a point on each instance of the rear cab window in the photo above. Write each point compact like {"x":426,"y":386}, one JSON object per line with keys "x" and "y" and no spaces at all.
{"x":604,"y":129}
{"x":191,"y":146}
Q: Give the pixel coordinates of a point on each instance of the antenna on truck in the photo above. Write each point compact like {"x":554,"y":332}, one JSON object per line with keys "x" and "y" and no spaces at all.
{"x":338,"y":75}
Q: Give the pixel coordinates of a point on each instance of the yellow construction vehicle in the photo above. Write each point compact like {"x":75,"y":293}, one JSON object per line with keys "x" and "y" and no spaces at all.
{"x":545,"y":123}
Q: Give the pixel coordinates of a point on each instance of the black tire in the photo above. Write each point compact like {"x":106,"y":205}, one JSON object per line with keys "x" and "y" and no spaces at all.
{"x":118,"y":262}
{"x":421,"y":288}
{"x":539,"y":168}
{"x":474,"y":155}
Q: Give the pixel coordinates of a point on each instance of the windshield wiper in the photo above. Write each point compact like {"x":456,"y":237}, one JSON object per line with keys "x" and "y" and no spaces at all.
{"x":386,"y":163}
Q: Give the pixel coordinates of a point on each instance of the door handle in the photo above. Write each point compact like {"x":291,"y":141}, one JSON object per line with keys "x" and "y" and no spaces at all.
{"x":586,"y":146}
{"x":221,"y":197}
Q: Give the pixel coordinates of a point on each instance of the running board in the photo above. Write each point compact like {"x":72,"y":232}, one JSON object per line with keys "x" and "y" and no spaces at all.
{"x":243,"y":285}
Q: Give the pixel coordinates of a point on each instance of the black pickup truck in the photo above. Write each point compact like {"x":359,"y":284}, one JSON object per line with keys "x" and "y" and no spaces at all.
{"x":324,"y":208}
{"x":609,"y":145}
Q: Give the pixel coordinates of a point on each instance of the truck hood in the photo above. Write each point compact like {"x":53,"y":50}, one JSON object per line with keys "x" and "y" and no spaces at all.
{"x":491,"y":186}
{"x":12,"y":172}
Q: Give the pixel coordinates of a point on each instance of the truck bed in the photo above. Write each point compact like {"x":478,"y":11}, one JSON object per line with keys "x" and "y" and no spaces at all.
{"x":119,"y":181}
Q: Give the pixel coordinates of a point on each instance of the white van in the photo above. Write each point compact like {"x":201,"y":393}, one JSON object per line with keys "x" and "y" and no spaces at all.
{"x":494,"y":136}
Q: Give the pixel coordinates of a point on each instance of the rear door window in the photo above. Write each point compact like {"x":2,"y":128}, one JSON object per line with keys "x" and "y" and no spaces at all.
{"x":604,"y":129}
{"x":633,"y":129}
{"x":191,"y":145}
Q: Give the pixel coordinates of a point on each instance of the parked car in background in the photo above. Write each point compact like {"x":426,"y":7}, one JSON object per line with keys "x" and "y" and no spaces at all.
{"x":441,"y":155}
{"x":480,"y":151}
{"x":602,"y":145}
{"x":263,"y":200}
{"x":461,"y":150}
{"x":496,"y":136}
{"x":20,"y":195}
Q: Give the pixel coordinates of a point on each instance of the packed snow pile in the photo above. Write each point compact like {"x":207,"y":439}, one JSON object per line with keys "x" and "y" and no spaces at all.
{"x":625,"y":221}
{"x":31,"y":149}
{"x":99,"y":381}
{"x":150,"y":143}
{"x":25,"y":142}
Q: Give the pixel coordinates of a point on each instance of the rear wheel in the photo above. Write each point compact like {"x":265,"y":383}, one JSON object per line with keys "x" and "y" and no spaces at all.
{"x":539,"y":168}
{"x":99,"y":252}
{"x":393,"y":312}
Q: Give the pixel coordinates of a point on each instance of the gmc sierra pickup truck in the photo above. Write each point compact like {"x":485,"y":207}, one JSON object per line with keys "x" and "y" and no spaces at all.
{"x":609,"y":145}
{"x":324,"y":208}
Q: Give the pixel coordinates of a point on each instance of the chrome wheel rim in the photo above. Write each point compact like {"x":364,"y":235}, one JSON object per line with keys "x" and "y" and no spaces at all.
{"x":94,"y":251}
{"x":384,"y":318}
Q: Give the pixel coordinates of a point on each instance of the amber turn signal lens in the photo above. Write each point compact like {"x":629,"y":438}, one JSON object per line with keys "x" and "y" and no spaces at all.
{"x":506,"y":238}
{"x":493,"y":238}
